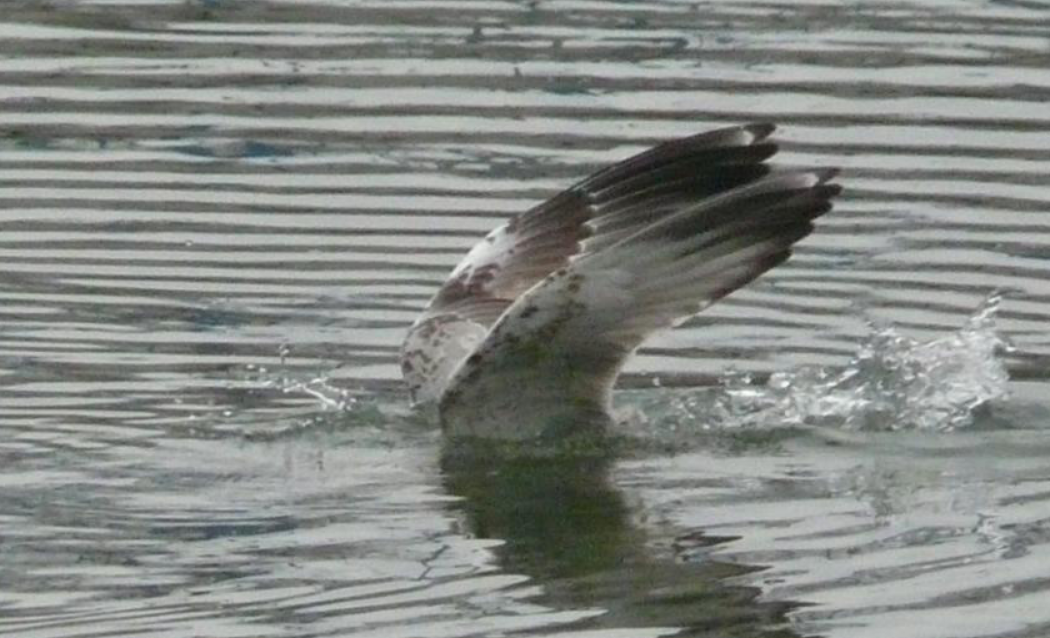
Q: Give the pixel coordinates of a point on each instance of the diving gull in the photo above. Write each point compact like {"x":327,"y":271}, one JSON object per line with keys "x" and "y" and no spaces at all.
{"x":528,"y":334}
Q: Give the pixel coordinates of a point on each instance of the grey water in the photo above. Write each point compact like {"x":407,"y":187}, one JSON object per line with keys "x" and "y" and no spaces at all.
{"x":218,"y":217}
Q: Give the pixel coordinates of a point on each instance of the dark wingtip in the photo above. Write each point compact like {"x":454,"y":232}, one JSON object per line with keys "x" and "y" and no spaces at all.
{"x":761,"y":130}
{"x":828,"y":191}
{"x":825,"y":175}
{"x":763,"y":150}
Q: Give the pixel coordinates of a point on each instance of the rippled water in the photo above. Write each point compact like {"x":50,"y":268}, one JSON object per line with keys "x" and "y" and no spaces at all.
{"x":217,"y":218}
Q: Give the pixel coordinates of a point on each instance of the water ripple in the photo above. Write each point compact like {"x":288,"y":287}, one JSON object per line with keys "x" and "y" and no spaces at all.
{"x":218,"y":217}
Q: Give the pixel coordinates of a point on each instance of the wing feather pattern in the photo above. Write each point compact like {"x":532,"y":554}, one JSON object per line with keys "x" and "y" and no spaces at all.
{"x":602,"y":209}
{"x":543,"y":312}
{"x":559,"y":347}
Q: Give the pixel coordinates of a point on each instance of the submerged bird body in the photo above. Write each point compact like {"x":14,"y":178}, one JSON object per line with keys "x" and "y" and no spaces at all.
{"x":527,"y":336}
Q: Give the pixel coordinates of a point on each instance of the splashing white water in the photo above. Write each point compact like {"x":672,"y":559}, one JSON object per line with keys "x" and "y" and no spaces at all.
{"x":893,"y":382}
{"x":329,"y":396}
{"x":334,"y":410}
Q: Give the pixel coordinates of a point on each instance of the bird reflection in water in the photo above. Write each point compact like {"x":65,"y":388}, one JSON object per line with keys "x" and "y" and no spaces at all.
{"x":564,"y":524}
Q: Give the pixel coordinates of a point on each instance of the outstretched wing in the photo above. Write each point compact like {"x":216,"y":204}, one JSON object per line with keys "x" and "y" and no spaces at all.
{"x":596,"y":213}
{"x":559,"y":347}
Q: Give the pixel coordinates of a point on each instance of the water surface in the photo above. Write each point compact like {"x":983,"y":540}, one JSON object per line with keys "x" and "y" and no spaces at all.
{"x":217,"y":219}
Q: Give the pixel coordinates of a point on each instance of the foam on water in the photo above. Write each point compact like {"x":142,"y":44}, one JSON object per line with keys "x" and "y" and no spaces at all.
{"x":893,"y":382}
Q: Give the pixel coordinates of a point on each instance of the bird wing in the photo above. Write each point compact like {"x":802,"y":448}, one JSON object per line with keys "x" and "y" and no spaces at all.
{"x":598,"y":212}
{"x":563,"y":341}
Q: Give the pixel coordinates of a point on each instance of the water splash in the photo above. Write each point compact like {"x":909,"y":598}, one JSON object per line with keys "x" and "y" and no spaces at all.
{"x":893,"y":382}
{"x":342,"y":415}
{"x":330,"y":397}
{"x":275,"y":408}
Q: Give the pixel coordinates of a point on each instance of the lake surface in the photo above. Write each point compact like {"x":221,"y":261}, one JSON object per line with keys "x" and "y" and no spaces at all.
{"x":218,"y":218}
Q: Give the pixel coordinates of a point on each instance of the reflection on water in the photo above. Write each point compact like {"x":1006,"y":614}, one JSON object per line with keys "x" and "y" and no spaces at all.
{"x":218,"y":218}
{"x":561,"y":522}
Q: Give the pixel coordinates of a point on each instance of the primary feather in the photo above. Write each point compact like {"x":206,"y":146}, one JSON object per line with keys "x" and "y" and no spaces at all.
{"x":526,"y":337}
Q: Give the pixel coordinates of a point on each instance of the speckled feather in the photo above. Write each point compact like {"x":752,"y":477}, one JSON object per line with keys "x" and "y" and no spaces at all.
{"x":528,"y":334}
